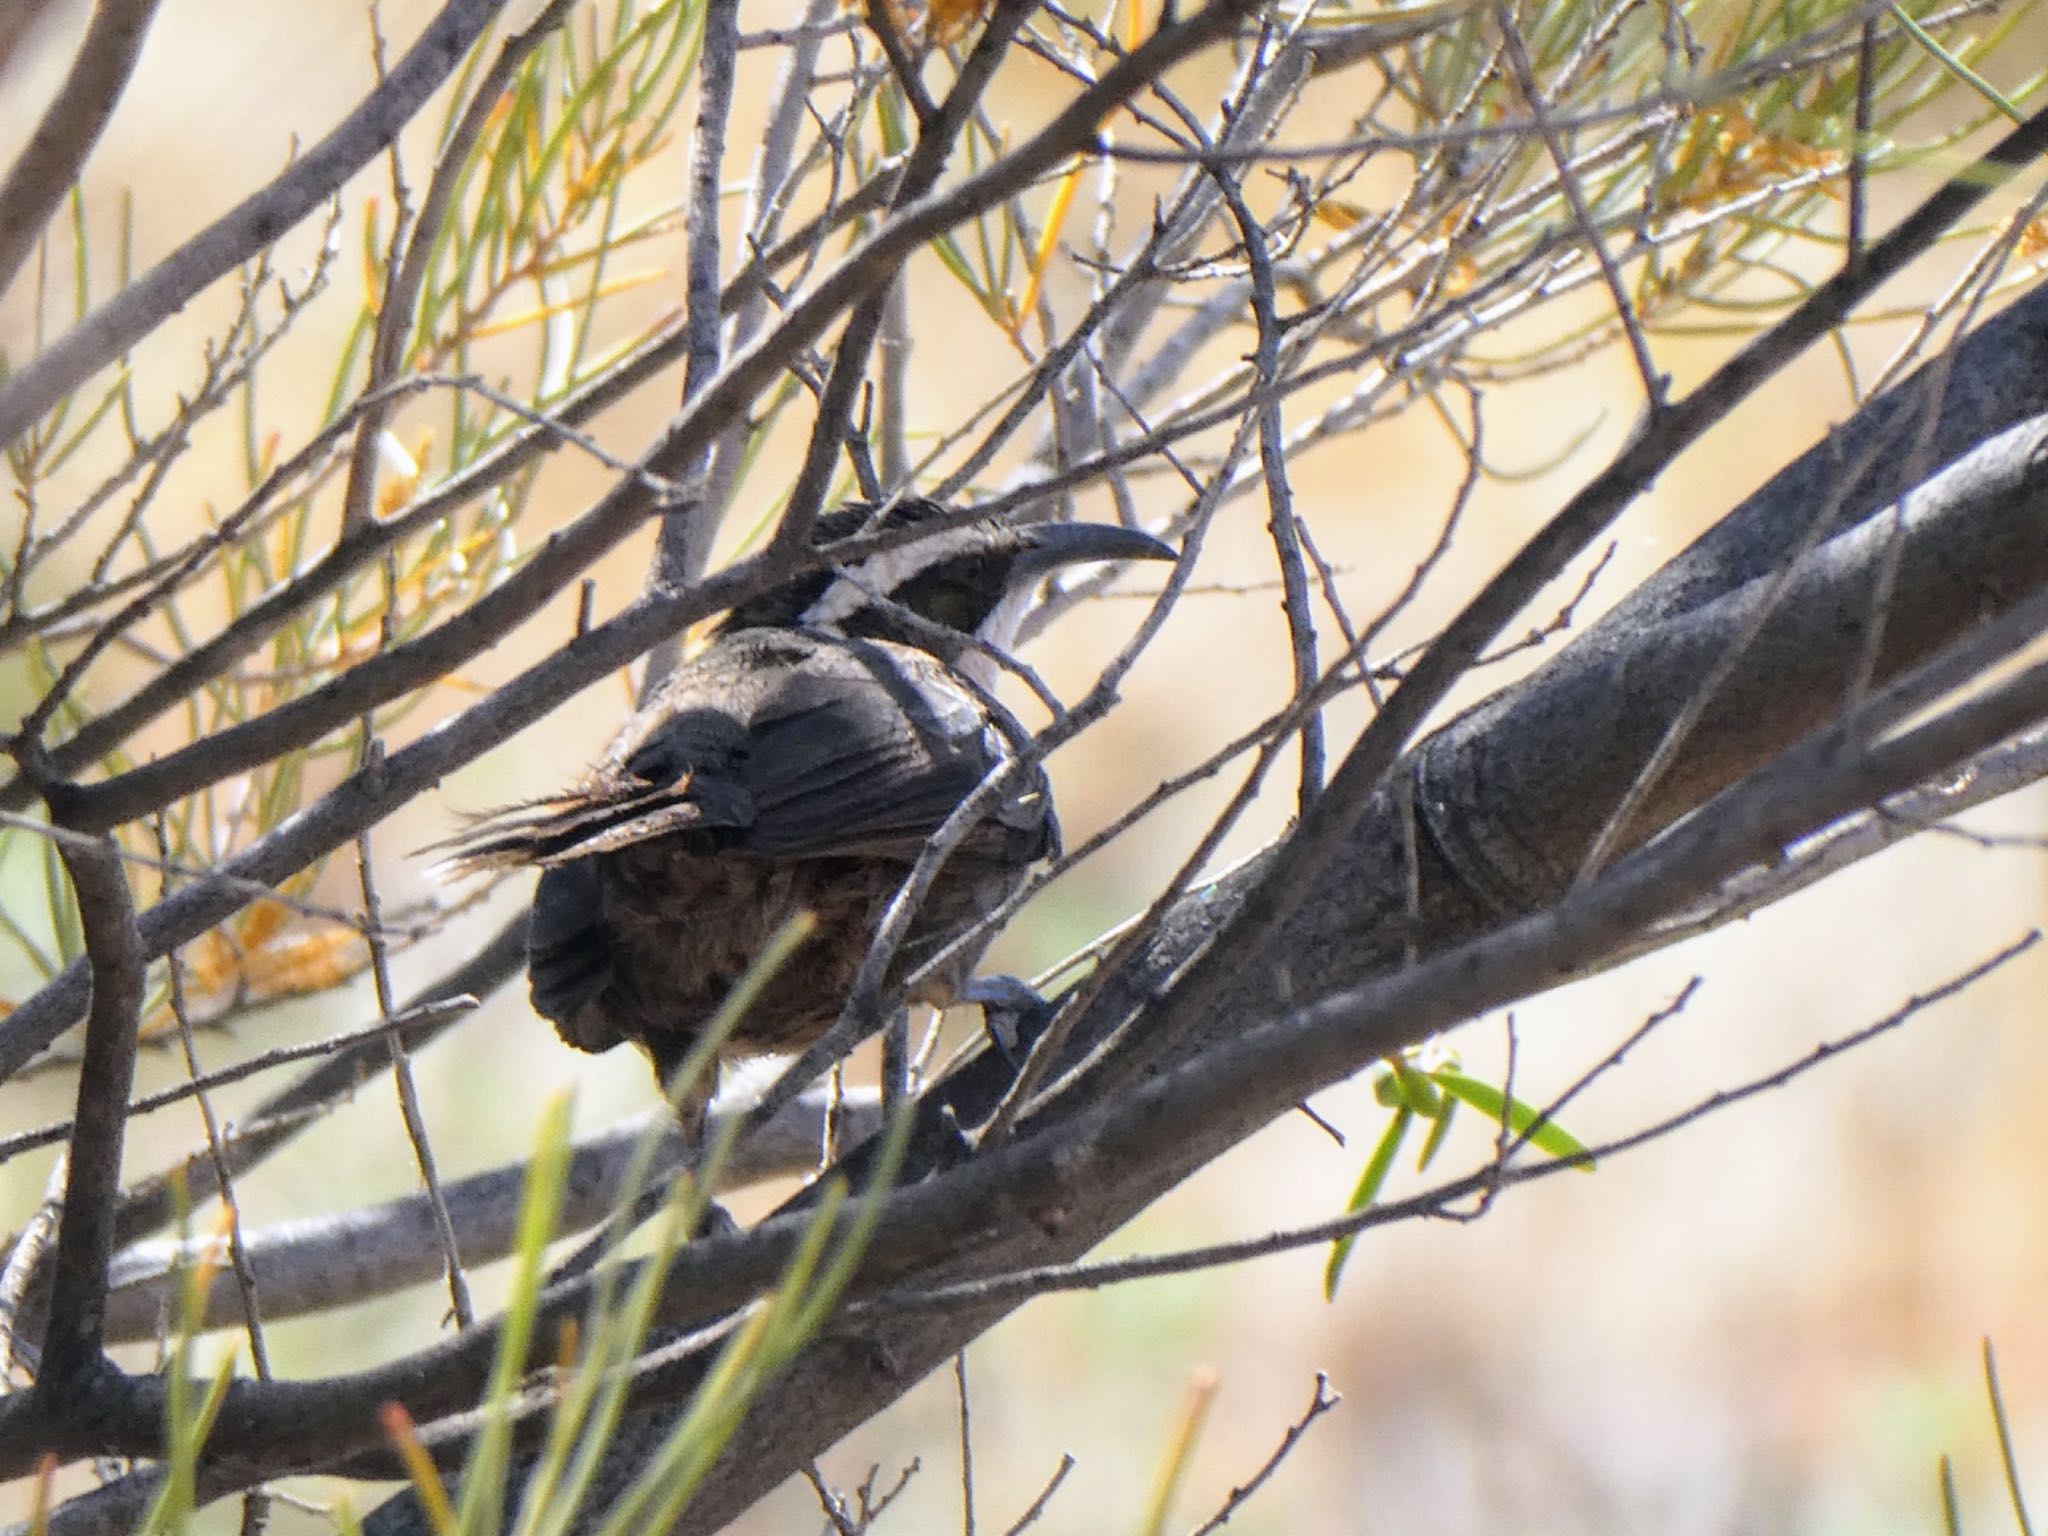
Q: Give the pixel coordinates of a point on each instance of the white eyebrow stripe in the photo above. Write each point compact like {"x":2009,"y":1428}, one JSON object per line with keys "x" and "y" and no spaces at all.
{"x":885,"y":572}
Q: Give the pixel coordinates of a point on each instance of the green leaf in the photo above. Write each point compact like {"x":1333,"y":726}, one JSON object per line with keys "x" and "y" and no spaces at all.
{"x":1417,"y":1091}
{"x":1955,"y":66}
{"x":484,"y":1478}
{"x":1368,"y":1190}
{"x":1439,"y":1128}
{"x":1517,"y":1116}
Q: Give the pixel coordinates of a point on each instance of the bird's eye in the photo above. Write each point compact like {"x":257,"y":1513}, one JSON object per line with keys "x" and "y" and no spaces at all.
{"x":953,"y":608}
{"x":957,"y":593}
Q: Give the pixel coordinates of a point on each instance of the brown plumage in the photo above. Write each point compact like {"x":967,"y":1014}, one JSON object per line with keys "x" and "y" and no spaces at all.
{"x":800,"y":762}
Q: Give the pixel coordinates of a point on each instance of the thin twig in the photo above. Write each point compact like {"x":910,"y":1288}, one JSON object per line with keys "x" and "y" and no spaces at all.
{"x":1569,"y":533}
{"x":383,"y":677}
{"x":1281,"y":522}
{"x":1857,"y":231}
{"x":425,"y":1017}
{"x":401,"y":1068}
{"x":152,"y":1203}
{"x":835,"y":1509}
{"x":938,"y":131}
{"x":1656,"y":386}
{"x":1439,"y":1201}
{"x":1320,"y":1403}
{"x":872,"y":1503}
{"x":346,"y":558}
{"x":966,"y":1444}
{"x":684,"y":544}
{"x":1037,"y":1506}
{"x":769,"y":190}
{"x":238,"y":1250}
{"x":253,"y":890}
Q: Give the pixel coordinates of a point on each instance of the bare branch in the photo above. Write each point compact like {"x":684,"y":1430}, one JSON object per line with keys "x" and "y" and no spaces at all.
{"x":409,"y":1112}
{"x":73,"y":1362}
{"x":1038,"y":1505}
{"x":1542,"y":557}
{"x":212,"y":657}
{"x":238,"y":1249}
{"x":251,"y":227}
{"x":359,"y":803}
{"x":326,"y":1261}
{"x":1320,"y":1403}
{"x":49,"y":164}
{"x":1689,"y":757}
{"x":684,"y":545}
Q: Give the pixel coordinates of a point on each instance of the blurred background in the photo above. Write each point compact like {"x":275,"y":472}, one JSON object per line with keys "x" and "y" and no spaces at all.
{"x":1771,"y":1322}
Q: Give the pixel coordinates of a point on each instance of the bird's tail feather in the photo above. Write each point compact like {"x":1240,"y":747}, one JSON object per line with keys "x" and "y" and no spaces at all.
{"x":549,"y":831}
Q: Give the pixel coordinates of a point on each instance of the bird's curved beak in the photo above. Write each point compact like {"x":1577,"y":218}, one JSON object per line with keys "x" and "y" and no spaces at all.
{"x":1050,"y":546}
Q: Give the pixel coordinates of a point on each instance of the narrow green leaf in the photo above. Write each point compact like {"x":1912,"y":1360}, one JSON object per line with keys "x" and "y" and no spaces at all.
{"x":1439,"y":1128}
{"x":1368,"y":1190}
{"x":483,"y":1479}
{"x":1519,"y":1117}
{"x":1957,"y":67}
{"x":1417,"y":1091}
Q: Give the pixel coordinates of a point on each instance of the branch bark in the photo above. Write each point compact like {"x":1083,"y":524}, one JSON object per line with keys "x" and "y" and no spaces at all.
{"x":1222,"y":1081}
{"x":74,"y":1363}
{"x":328,"y":1261}
{"x":49,"y":164}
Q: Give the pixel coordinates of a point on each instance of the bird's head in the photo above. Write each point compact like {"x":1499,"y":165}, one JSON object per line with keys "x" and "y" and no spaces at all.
{"x":974,"y":581}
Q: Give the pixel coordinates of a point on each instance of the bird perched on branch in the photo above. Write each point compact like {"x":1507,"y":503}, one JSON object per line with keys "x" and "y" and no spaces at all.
{"x":801,"y":760}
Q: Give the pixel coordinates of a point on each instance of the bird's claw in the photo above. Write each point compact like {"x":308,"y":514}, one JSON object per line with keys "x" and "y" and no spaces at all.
{"x":1013,"y":1012}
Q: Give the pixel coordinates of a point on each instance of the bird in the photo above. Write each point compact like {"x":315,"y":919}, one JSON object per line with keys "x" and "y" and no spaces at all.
{"x":798,"y":761}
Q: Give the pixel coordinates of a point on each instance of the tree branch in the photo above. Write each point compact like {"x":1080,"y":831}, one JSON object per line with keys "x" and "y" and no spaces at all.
{"x":1357,"y":926}
{"x":1223,"y":1085}
{"x":1328,"y":823}
{"x":248,"y":229}
{"x":49,"y":164}
{"x":73,"y":1363}
{"x":328,"y":1261}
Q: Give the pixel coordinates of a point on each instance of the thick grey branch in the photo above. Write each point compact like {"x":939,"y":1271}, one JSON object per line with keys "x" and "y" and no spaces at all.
{"x":1079,"y":1177}
{"x":326,"y":1261}
{"x":1327,"y":825}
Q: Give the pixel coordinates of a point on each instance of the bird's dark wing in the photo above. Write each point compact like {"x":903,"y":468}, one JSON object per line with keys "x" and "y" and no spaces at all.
{"x":865,"y":749}
{"x":791,"y":745}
